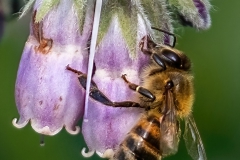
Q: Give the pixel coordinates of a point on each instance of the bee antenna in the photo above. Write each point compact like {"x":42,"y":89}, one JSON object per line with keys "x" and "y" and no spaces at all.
{"x":171,"y":34}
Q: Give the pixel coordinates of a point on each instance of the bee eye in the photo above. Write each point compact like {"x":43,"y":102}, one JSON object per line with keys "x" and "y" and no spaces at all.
{"x":169,"y":84}
{"x":172,"y":58}
{"x":159,"y":61}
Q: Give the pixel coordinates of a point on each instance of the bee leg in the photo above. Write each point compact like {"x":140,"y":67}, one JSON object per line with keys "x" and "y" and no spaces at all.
{"x":146,"y":45}
{"x":126,"y":104}
{"x":143,"y":91}
{"x":82,"y":78}
{"x":97,"y":95}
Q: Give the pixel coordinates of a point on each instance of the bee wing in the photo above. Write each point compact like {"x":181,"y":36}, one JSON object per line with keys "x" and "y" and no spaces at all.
{"x":193,"y":140}
{"x":169,"y":126}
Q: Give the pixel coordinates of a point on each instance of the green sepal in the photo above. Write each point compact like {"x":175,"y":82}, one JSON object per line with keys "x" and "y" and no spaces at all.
{"x":188,"y":10}
{"x":159,"y":17}
{"x":80,"y":6}
{"x":45,"y":7}
{"x":27,"y":7}
{"x":126,"y":14}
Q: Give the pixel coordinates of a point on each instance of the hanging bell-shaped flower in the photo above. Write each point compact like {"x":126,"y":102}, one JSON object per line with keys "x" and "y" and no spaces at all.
{"x":46,"y":93}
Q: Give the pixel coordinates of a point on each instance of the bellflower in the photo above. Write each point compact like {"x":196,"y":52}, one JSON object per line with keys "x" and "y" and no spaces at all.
{"x":49,"y":96}
{"x":46,"y":94}
{"x":122,"y":26}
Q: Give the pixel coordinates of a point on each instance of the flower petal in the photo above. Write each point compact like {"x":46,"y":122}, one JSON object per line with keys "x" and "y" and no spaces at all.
{"x":106,"y":125}
{"x":46,"y":93}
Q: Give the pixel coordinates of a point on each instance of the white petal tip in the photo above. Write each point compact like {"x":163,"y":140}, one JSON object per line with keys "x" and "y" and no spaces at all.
{"x":45,"y":130}
{"x":77,"y":130}
{"x":14,"y":122}
{"x":107,"y":154}
{"x":87,"y":154}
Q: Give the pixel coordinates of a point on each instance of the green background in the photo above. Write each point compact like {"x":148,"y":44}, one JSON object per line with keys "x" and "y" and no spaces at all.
{"x":215,"y":55}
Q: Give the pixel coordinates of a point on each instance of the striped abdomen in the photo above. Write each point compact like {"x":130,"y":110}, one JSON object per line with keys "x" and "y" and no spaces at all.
{"x":142,"y":142}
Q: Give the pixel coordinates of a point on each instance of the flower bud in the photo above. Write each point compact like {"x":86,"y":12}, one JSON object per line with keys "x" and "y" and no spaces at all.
{"x":193,"y":13}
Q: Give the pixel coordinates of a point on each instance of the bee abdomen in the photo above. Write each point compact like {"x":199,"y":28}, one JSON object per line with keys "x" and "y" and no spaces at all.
{"x":142,"y":142}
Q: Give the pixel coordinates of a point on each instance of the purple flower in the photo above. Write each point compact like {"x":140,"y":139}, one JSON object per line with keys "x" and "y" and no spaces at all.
{"x":107,"y":126}
{"x":50,"y":97}
{"x":46,"y":94}
{"x":117,"y":54}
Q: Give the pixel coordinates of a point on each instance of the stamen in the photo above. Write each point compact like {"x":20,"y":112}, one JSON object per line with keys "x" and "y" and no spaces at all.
{"x":42,"y":143}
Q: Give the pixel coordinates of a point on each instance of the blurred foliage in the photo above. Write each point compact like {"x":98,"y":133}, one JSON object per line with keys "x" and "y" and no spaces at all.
{"x":216,"y":66}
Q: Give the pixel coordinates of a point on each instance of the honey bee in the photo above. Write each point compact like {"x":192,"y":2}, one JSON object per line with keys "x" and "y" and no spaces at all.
{"x":167,"y":94}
